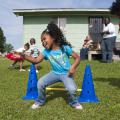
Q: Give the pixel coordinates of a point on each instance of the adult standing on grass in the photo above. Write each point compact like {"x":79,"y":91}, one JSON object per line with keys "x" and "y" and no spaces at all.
{"x":108,"y":42}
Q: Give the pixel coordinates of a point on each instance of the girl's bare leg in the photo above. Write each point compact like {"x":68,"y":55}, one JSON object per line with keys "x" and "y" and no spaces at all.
{"x":14,"y":63}
{"x":21,"y":63}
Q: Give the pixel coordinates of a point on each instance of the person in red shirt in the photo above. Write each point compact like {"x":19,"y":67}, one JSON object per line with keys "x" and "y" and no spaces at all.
{"x":15,"y":56}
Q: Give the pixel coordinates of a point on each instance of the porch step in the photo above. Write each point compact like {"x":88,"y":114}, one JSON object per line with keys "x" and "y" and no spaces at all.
{"x":116,"y":57}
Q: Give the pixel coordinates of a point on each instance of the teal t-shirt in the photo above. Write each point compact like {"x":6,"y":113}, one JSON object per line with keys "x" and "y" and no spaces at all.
{"x":59,"y":59}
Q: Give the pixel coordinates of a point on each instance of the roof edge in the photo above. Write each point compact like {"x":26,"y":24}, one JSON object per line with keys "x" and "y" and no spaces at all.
{"x":43,"y":10}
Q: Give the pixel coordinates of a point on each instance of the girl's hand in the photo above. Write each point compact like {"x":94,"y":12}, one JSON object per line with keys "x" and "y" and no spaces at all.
{"x":75,"y":64}
{"x":31,"y":59}
{"x":71,"y":71}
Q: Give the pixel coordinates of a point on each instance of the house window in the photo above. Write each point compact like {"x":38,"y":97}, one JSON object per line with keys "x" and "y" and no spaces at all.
{"x":61,"y":22}
{"x":95,"y":28}
{"x":54,"y":20}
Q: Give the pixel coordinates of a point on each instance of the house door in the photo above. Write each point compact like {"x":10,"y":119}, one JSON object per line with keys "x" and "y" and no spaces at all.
{"x":95,"y":28}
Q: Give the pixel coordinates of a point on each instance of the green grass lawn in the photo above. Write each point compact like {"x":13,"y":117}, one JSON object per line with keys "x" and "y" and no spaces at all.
{"x":13,"y":86}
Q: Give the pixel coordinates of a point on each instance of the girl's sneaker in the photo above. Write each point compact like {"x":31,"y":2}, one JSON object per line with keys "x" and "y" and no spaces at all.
{"x":11,"y":66}
{"x":35,"y":105}
{"x":22,"y":70}
{"x":78,"y":106}
{"x":36,"y":71}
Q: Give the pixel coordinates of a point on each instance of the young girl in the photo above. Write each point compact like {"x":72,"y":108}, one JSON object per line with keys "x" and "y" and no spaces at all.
{"x":34,"y":51}
{"x":15,"y":56}
{"x":57,"y":51}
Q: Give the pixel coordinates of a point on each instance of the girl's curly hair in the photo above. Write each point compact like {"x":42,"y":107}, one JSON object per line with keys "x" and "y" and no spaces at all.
{"x":27,"y":45}
{"x":54,"y":31}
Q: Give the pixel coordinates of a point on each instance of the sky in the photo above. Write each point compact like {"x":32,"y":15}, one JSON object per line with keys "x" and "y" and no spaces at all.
{"x":13,"y":26}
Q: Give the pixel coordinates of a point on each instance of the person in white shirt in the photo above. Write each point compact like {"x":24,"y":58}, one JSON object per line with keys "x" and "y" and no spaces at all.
{"x":108,"y":42}
{"x":34,"y":51}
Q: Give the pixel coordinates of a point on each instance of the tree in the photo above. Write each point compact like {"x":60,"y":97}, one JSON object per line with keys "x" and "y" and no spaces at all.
{"x":8,"y":48}
{"x":2,"y":41}
{"x":115,"y":8}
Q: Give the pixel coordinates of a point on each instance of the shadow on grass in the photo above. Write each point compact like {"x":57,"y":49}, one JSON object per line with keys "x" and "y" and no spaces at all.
{"x":57,"y":94}
{"x":28,"y":67}
{"x":17,"y":67}
{"x":112,"y":81}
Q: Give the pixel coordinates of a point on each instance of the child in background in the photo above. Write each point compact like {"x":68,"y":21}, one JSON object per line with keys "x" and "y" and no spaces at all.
{"x":57,"y":51}
{"x":87,"y":42}
{"x":85,"y":48}
{"x":34,"y":51}
{"x":15,"y":56}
